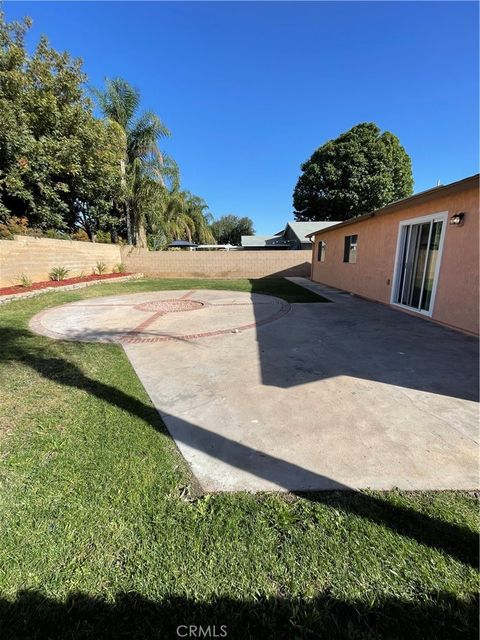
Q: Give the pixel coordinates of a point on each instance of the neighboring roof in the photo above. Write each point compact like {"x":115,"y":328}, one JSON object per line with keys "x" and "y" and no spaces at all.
{"x":300,"y":229}
{"x":262,"y":241}
{"x":181,"y":243}
{"x":418,"y":198}
{"x":303,"y":229}
{"x":254,"y":241}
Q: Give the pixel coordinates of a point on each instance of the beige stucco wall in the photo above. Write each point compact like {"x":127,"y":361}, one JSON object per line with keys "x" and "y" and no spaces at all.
{"x":457,"y":296}
{"x":217,"y":264}
{"x":35,"y":257}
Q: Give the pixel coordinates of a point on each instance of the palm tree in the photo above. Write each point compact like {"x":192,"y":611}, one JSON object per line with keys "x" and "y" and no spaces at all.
{"x":179,"y":215}
{"x":197,"y":210}
{"x":143,"y":162}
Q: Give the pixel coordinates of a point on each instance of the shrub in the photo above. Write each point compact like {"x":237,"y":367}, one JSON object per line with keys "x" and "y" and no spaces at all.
{"x":25,"y":281}
{"x":58,"y":273}
{"x":119,"y":268}
{"x":80,"y":235}
{"x":100,"y":268}
{"x":103,"y":237}
{"x":5,"y":233}
{"x":55,"y":234}
{"x":14,"y":226}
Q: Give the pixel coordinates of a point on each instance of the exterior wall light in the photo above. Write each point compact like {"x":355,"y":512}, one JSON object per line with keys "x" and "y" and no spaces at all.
{"x":458,"y":219}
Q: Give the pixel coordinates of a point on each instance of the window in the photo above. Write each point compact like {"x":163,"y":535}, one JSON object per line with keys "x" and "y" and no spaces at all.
{"x":321,"y":251}
{"x":350,"y":251}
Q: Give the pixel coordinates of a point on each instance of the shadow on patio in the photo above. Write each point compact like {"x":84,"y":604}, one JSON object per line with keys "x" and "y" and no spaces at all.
{"x":369,"y":341}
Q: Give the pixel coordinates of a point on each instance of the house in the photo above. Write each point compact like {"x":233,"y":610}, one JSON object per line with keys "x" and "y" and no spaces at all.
{"x":419,"y":254}
{"x":294,"y":236}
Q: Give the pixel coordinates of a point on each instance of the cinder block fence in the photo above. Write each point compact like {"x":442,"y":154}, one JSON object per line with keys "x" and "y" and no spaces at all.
{"x":217,"y":264}
{"x":35,"y":257}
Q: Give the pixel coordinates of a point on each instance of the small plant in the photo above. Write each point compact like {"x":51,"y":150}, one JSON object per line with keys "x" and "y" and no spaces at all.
{"x":119,"y":268}
{"x":58,"y":273}
{"x":100,"y":268}
{"x":25,"y":281}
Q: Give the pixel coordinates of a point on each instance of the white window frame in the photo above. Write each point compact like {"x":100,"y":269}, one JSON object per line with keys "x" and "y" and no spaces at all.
{"x":441,"y":215}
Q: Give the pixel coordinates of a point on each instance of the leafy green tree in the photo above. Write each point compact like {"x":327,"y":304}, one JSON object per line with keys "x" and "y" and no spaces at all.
{"x":63,"y":170}
{"x":142,"y":165}
{"x":58,"y":163}
{"x":229,"y":229}
{"x":361,"y":170}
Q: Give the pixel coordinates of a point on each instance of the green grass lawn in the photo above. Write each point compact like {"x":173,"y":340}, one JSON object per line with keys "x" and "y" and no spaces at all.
{"x":103,"y":535}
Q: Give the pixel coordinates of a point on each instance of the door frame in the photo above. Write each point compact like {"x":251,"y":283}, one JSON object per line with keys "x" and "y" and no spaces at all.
{"x":441,"y":215}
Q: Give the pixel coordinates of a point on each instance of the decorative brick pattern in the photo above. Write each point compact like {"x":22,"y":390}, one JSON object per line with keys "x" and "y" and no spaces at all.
{"x":170,"y":306}
{"x":49,"y":323}
{"x":135,"y":337}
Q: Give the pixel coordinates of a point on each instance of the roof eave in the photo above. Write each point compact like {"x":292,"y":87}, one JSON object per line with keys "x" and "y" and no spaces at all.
{"x":423,"y":196}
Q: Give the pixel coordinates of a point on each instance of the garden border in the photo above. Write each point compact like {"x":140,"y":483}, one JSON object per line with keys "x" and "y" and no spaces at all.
{"x":78,"y":285}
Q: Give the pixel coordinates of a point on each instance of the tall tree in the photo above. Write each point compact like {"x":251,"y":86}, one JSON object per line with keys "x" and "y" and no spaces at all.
{"x":197,"y":210}
{"x":361,"y":170}
{"x":57,"y":161}
{"x":179,"y":215}
{"x":142,"y":161}
{"x":229,"y":229}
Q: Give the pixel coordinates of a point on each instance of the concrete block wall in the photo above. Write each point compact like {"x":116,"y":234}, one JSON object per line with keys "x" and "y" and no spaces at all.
{"x":35,"y":257}
{"x":217,"y":264}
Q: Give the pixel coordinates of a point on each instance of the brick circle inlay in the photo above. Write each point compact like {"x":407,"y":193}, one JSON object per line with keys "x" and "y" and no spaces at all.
{"x":170,"y":306}
{"x":108,"y":319}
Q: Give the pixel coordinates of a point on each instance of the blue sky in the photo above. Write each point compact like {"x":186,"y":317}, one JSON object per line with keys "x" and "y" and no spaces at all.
{"x":249,"y":90}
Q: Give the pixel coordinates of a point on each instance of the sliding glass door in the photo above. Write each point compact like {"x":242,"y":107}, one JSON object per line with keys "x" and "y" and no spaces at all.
{"x":418,"y":262}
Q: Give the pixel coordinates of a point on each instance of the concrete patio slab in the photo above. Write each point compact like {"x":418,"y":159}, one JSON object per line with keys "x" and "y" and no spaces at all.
{"x":260,"y":395}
